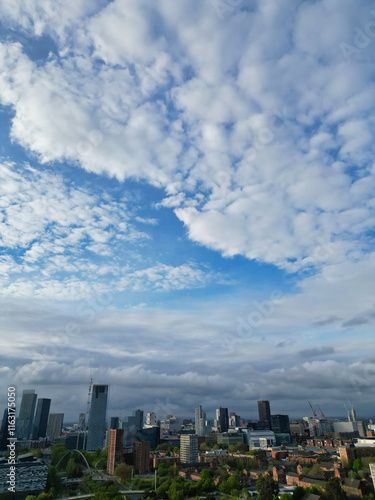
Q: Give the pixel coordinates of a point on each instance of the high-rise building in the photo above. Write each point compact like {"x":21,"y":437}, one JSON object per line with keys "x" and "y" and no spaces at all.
{"x":200,"y":421}
{"x":151,"y":418}
{"x":264,"y":411}
{"x":82,"y":422}
{"x":115,"y":448}
{"x":25,"y":420}
{"x":234,"y":420}
{"x":55,"y":424}
{"x":280,"y":424}
{"x":142,"y":457}
{"x":4,"y":432}
{"x":115,"y":422}
{"x":138,"y":419}
{"x":222,"y":419}
{"x":188,"y":448}
{"x":41,"y":418}
{"x":97,"y":416}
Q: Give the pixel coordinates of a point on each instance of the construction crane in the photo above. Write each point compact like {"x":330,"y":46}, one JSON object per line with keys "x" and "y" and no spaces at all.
{"x":312,"y":409}
{"x":348,"y":412}
{"x":89,"y":396}
{"x":321,"y":411}
{"x":354,"y":416}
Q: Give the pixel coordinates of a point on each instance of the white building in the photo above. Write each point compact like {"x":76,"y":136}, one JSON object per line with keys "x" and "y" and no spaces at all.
{"x":188,"y":448}
{"x":259,"y":439}
{"x":151,"y":419}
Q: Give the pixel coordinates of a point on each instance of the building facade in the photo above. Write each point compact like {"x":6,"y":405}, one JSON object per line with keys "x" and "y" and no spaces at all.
{"x":189,"y":448}
{"x":200,"y":421}
{"x":97,"y":417}
{"x":26,"y":416}
{"x":55,"y":425}
{"x":115,"y":448}
{"x":41,"y":418}
{"x":141,"y":457}
{"x":264,"y":411}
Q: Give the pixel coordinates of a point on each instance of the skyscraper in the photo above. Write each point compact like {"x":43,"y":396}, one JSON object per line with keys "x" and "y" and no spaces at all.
{"x":188,"y":448}
{"x":41,"y":418}
{"x":54,"y":427}
{"x":115,"y":421}
{"x":280,"y":424}
{"x":97,"y":416}
{"x":115,"y":448}
{"x":142,"y":457}
{"x":151,"y":418}
{"x":264,"y":413}
{"x":26,"y":416}
{"x":4,"y":432}
{"x":222,"y":419}
{"x":200,"y":421}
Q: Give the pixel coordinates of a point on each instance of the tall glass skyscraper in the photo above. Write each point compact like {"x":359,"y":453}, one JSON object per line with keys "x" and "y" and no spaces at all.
{"x":26,"y":416}
{"x":97,"y":417}
{"x":41,"y":418}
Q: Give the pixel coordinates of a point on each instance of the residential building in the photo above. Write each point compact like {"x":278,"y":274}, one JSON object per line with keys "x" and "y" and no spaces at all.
{"x":25,"y":420}
{"x":41,"y":418}
{"x":115,"y":448}
{"x":97,"y":417}
{"x":142,"y":457}
{"x":188,"y":448}
{"x":55,"y":424}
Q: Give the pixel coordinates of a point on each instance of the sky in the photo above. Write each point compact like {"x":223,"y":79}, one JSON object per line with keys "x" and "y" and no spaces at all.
{"x":187,"y":204}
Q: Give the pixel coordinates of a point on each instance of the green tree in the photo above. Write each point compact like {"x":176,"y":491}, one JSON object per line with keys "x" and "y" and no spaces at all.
{"x":352,"y":474}
{"x":53,"y":480}
{"x":298,"y":493}
{"x":334,"y":490}
{"x":285,"y":496}
{"x":357,"y":464}
{"x":316,"y":470}
{"x":124,"y":472}
{"x":267,"y":488}
{"x":57,"y":452}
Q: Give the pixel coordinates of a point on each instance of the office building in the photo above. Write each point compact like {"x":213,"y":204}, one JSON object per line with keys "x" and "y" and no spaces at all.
{"x":55,"y":424}
{"x":82,"y":422}
{"x":234,"y":420}
{"x":222,"y":419}
{"x":151,"y":418}
{"x":264,"y":411}
{"x":97,"y":417}
{"x":188,"y":448}
{"x":115,"y":448}
{"x":41,"y":418}
{"x":25,"y":420}
{"x":141,"y":457}
{"x":200,"y":421}
{"x":115,"y":423}
{"x":259,"y":438}
{"x":280,"y":424}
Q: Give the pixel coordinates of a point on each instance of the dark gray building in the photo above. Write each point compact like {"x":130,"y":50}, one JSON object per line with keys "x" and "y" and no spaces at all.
{"x":41,"y":418}
{"x":222,"y":419}
{"x":55,"y":424}
{"x":280,"y":424}
{"x":264,"y":411}
{"x":97,"y":417}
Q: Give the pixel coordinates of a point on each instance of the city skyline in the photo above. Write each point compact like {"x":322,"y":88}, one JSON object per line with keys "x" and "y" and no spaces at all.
{"x":187,"y":203}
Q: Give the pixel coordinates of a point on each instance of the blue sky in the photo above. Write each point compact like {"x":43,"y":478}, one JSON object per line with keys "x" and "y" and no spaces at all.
{"x":187,"y":200}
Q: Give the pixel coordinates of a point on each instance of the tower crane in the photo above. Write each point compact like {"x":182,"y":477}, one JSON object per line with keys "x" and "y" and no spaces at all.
{"x":312,"y":409}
